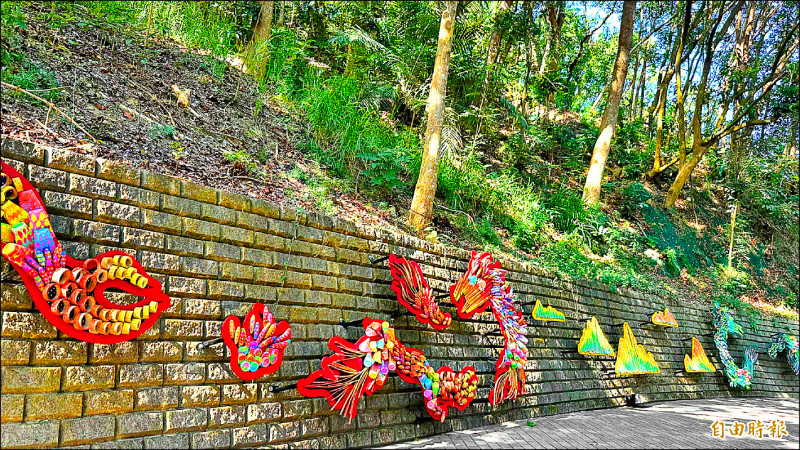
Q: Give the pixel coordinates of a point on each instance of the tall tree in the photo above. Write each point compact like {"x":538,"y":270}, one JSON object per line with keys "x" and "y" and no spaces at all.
{"x":263,"y":28}
{"x":591,"y":191}
{"x":422,"y":203}
{"x":754,"y":92}
{"x":255,"y":54}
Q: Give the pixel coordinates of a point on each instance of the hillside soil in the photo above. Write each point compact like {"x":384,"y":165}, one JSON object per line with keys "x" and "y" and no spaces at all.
{"x":163,"y":107}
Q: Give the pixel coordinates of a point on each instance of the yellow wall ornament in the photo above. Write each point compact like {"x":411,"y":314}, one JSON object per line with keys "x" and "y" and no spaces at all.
{"x":632,"y":358}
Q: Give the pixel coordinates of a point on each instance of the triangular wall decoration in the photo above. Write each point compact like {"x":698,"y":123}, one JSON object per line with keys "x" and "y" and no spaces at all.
{"x":632,"y":358}
{"x":593,"y":342}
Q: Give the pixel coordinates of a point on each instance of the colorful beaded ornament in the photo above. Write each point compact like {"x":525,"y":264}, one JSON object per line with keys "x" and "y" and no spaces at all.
{"x":70,"y":293}
{"x":359,"y":369}
{"x":484,"y":284}
{"x":257,"y":343}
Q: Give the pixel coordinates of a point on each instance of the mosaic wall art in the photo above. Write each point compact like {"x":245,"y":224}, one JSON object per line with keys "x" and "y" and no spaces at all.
{"x":632,"y":358}
{"x":547,"y":313}
{"x":782,"y":342}
{"x":593,"y":341}
{"x":725,"y":325}
{"x":698,"y":362}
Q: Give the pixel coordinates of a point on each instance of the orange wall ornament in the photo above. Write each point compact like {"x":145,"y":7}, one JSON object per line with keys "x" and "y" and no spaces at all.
{"x":664,"y":319}
{"x":415,"y":295}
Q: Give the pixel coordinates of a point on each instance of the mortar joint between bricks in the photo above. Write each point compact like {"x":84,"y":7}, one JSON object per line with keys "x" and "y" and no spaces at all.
{"x":289,"y":254}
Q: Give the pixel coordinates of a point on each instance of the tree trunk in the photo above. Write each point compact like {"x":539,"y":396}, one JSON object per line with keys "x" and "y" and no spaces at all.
{"x":683,"y":175}
{"x":550,"y":58}
{"x":661,"y":105}
{"x":740,"y":141}
{"x":633,"y":85}
{"x":791,"y":147}
{"x":425,"y":191}
{"x":263,"y":28}
{"x":642,"y":85}
{"x":678,"y":91}
{"x":591,"y":191}
{"x":280,"y":14}
{"x":348,"y":68}
{"x":493,"y":51}
{"x":525,"y":111}
{"x":599,"y":97}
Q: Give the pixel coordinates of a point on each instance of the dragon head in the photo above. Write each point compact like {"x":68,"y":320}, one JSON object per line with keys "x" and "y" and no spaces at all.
{"x":472,"y":291}
{"x":723,"y":320}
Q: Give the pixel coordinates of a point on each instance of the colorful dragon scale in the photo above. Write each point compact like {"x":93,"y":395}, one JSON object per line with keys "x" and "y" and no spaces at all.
{"x":632,"y":358}
{"x":358,"y":369}
{"x":484,"y":284}
{"x":724,"y":324}
{"x":547,"y":314}
{"x":698,"y":362}
{"x":593,"y":341}
{"x":256,"y":343}
{"x":414,"y":293}
{"x":664,"y":319}
{"x":789,"y":343}
{"x":70,"y":293}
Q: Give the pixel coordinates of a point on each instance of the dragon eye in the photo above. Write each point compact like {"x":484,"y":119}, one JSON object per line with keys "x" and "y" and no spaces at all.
{"x":473,"y":279}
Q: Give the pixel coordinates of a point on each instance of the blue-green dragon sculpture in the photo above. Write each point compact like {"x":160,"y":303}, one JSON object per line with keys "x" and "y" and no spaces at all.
{"x":724,"y":325}
{"x":789,"y":343}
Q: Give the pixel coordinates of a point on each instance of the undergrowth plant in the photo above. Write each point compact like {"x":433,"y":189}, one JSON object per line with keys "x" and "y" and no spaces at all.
{"x":358,"y":77}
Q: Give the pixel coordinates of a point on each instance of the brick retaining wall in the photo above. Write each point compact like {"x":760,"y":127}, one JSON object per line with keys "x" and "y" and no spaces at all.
{"x":216,"y":253}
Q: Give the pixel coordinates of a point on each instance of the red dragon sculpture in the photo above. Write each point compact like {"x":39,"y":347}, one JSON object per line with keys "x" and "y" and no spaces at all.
{"x":414,"y":293}
{"x":483,"y":285}
{"x":358,"y":369}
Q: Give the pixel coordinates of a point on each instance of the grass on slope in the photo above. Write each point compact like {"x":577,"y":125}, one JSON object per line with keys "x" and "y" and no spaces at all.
{"x":307,"y":136}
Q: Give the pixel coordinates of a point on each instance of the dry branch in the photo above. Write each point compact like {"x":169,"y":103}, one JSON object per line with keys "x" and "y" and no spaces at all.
{"x":136,"y":113}
{"x":52,"y":106}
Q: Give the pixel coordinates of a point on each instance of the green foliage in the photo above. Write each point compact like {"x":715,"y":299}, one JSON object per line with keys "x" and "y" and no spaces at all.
{"x":358,"y":76}
{"x":41,"y":81}
{"x":382,"y":167}
{"x":242,"y":161}
{"x":16,"y":68}
{"x":161,"y":131}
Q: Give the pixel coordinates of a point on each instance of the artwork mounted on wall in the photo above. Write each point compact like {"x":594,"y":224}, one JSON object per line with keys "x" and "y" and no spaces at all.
{"x":547,"y":313}
{"x":483,"y":285}
{"x":256,"y":343}
{"x":725,"y":325}
{"x":781,"y":342}
{"x":593,"y":341}
{"x":414,"y":293}
{"x":632,"y":358}
{"x":360,"y":369}
{"x":698,"y":362}
{"x":664,"y":319}
{"x":70,"y":293}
